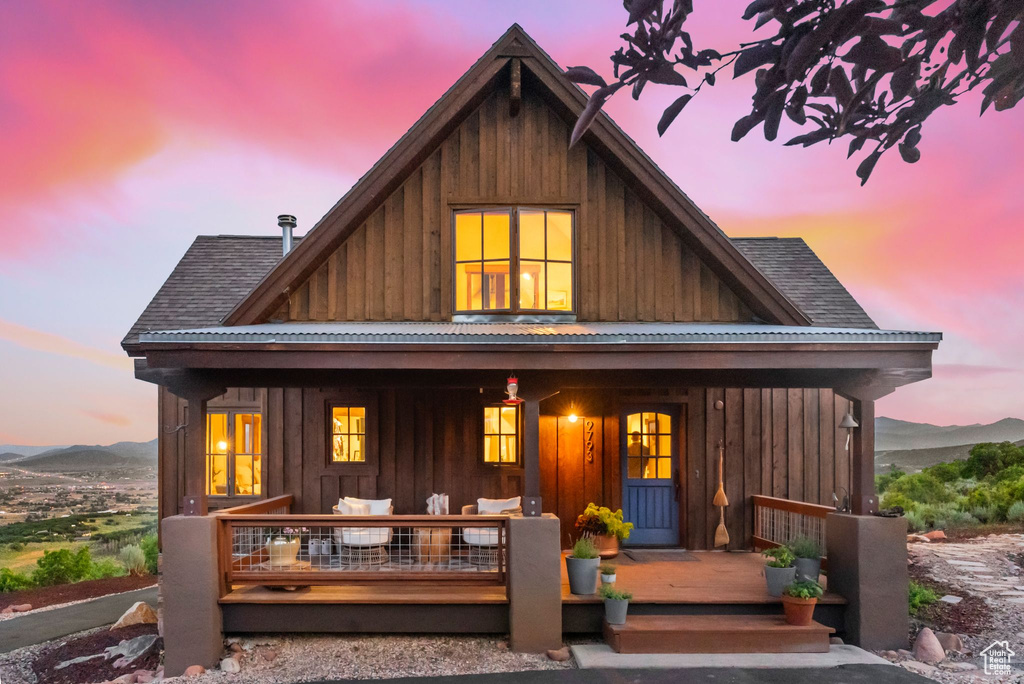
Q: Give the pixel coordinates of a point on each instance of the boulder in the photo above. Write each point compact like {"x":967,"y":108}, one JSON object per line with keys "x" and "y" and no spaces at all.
{"x":950,"y":642}
{"x":230,"y":665}
{"x":19,"y":608}
{"x":917,"y":538}
{"x":194,"y":671}
{"x":139,"y":614}
{"x":559,"y":655}
{"x":132,"y":650}
{"x":934,"y":535}
{"x":927,"y":648}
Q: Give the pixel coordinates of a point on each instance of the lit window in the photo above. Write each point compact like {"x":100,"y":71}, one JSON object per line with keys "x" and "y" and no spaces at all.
{"x":348,"y":434}
{"x":489,"y":277}
{"x":649,"y":446}
{"x":234,"y":453}
{"x":501,"y":435}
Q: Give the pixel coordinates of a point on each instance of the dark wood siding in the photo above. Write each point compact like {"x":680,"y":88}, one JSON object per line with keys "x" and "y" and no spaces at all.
{"x":781,"y":442}
{"x":631,"y":265}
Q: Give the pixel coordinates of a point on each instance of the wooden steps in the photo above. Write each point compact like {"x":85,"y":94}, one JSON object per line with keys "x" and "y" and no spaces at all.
{"x":715,"y":634}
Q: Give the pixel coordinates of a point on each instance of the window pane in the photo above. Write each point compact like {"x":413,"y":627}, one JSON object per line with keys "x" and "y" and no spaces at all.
{"x":340,"y":423}
{"x":633,"y":469}
{"x":496,"y":235}
{"x":357,"y":452}
{"x":491,"y":448}
{"x":650,"y":468}
{"x":531,"y":235}
{"x":664,"y":468}
{"x":357,"y":416}
{"x":468,"y":284}
{"x":218,"y":474}
{"x":665,"y":445}
{"x":491,"y":420}
{"x":495,"y":294}
{"x":216,"y":454}
{"x":633,"y":423}
{"x":664,"y":424}
{"x":559,"y":236}
{"x":650,"y":424}
{"x":559,"y":287}
{"x":508,"y":420}
{"x":531,"y":284}
{"x":257,"y":474}
{"x":217,"y":433}
{"x":243,"y":475}
{"x":467,"y":236}
{"x":508,"y":449}
{"x":339,"y":448}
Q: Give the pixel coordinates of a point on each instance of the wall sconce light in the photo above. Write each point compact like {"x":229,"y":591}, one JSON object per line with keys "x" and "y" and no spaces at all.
{"x":849,"y":423}
{"x":572,"y":413}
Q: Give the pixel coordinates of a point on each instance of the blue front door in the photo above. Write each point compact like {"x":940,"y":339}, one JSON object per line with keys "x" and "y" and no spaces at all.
{"x":650,"y":471}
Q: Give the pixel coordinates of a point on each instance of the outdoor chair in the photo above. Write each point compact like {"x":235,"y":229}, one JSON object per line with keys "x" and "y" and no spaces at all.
{"x":363,"y":545}
{"x":482,"y":542}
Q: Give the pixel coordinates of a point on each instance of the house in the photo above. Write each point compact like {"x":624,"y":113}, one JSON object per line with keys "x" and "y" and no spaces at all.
{"x":372,"y":358}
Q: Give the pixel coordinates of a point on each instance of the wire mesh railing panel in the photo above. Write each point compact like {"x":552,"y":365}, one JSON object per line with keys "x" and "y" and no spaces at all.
{"x":782,"y":521}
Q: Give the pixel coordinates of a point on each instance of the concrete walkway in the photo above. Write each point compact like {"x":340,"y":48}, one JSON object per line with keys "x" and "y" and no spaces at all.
{"x":601,"y":657}
{"x":844,"y":674}
{"x":47,"y":625}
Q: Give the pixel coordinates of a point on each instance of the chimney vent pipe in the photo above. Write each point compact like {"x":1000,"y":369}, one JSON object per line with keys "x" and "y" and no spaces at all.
{"x":287,"y":223}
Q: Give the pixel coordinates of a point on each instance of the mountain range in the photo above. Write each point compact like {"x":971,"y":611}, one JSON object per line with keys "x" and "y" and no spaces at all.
{"x":913,"y":446}
{"x":81,"y":456}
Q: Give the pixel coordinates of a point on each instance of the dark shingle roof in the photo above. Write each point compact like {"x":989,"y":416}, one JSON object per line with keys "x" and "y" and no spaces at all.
{"x":796,"y":270}
{"x":217,"y":271}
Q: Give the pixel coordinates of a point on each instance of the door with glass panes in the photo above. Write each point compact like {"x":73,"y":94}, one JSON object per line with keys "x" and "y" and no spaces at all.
{"x":650,"y":467}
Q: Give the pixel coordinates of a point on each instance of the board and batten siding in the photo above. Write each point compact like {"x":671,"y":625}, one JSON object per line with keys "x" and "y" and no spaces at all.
{"x":778,"y":442}
{"x":397,"y":265}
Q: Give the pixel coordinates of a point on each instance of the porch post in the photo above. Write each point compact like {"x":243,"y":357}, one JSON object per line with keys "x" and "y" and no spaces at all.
{"x":862,"y":480}
{"x":531,"y":457}
{"x":195,"y":502}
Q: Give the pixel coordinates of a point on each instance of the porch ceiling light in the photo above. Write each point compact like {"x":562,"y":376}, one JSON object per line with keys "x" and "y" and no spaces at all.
{"x":572,"y":413}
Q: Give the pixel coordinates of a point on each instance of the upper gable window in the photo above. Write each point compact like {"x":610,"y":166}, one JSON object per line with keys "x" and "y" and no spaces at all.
{"x":514,"y":260}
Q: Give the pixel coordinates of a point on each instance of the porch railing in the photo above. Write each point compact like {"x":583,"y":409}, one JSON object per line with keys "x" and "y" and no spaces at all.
{"x":781,"y":521}
{"x":278,"y":549}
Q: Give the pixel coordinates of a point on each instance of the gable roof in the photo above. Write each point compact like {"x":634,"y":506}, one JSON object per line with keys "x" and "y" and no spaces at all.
{"x":606,"y":138}
{"x":806,"y":281}
{"x":218,"y":271}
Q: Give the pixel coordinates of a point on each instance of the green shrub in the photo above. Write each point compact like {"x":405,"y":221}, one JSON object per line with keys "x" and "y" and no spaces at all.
{"x":151,"y":548}
{"x":16,"y":546}
{"x":803,"y":589}
{"x":893,"y":499}
{"x":609,"y":591}
{"x":920,"y":596}
{"x":584,"y":548}
{"x":962,"y":519}
{"x":14,"y":581}
{"x":104,"y":568}
{"x":923,"y":488}
{"x":134,"y":560}
{"x":805,"y":547}
{"x":883,"y":481}
{"x":915,"y":522}
{"x":1016,"y":512}
{"x":947,"y":472}
{"x":989,"y":459}
{"x":62,"y":567}
{"x":779,"y":557}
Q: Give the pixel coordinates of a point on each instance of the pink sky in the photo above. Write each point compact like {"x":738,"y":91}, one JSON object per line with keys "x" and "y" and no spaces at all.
{"x":129,"y":128}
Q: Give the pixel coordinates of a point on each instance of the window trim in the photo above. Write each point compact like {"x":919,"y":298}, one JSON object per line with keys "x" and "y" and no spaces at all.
{"x":330,"y":431}
{"x":514,"y":309}
{"x":231,"y":411}
{"x":367,"y":401}
{"x":483,"y":436}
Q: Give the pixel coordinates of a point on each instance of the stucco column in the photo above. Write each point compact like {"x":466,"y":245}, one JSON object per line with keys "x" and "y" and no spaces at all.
{"x":862,"y":483}
{"x":193,"y":625}
{"x":867,"y":565}
{"x":534,"y":584}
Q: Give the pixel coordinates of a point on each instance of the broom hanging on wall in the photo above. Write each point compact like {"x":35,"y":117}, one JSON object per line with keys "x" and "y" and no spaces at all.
{"x":720,"y":500}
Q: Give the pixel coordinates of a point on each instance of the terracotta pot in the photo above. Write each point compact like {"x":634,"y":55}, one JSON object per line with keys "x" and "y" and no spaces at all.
{"x":799,"y":612}
{"x":607,"y":545}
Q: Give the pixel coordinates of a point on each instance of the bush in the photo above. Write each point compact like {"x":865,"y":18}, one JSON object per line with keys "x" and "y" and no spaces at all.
{"x":1016,"y":512}
{"x":947,"y":472}
{"x":103,"y":569}
{"x":920,"y":596}
{"x":989,"y":459}
{"x":893,"y":499}
{"x":13,"y":581}
{"x":805,"y":547}
{"x":16,"y":546}
{"x":923,"y":488}
{"x":584,"y":548}
{"x":915,"y":522}
{"x":151,"y":548}
{"x":62,"y":567}
{"x":134,"y":560}
{"x":882,"y":482}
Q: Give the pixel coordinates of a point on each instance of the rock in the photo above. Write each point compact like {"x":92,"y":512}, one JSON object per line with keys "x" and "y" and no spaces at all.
{"x":950,"y":642}
{"x":927,"y":648}
{"x":230,"y":665}
{"x":6,"y":611}
{"x":890,"y":655}
{"x":235,"y":647}
{"x":269,"y":654}
{"x":835,"y":641}
{"x":194,"y":671}
{"x":559,"y":655}
{"x":919,"y":668}
{"x":20,"y":608}
{"x":917,"y":538}
{"x":237,"y":657}
{"x":144,"y":676}
{"x":904,"y":652}
{"x":959,"y":667}
{"x":139,"y":614}
{"x":949,"y":598}
{"x":934,"y":535}
{"x":131,"y":650}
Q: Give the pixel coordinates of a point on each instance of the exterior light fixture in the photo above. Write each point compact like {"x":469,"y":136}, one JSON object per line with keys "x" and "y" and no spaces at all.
{"x":849,"y":423}
{"x":511,"y":389}
{"x":572,"y":413}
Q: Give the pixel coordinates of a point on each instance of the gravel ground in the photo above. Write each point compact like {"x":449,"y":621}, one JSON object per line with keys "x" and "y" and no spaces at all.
{"x":16,"y":666}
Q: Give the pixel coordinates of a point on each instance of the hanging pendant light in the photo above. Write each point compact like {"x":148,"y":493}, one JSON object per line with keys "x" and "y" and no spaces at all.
{"x":849,"y":423}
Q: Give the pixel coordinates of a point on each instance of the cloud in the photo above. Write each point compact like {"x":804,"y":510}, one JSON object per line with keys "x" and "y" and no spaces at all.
{"x":37,"y":340}
{"x":109,"y":418}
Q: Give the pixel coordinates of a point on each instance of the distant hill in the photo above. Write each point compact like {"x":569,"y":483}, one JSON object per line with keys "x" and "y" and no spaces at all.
{"x":891,"y":434}
{"x":21,"y":450}
{"x":7,"y":457}
{"x":83,"y":457}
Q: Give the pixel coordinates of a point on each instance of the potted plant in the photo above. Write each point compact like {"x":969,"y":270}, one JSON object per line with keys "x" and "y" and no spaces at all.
{"x":581,"y":566}
{"x":616,"y":604}
{"x":607,"y":574}
{"x":798,"y":600}
{"x":283,"y":547}
{"x":778,"y":570}
{"x":605,"y":526}
{"x":808,"y":558}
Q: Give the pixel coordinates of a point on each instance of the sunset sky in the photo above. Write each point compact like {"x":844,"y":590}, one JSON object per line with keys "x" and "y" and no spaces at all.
{"x":129,"y":128}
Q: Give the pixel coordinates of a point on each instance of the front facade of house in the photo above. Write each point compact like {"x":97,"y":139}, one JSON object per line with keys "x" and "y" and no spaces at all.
{"x":372,"y":359}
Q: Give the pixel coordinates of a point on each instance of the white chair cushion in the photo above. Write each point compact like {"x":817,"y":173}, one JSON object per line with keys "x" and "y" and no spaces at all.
{"x":497,"y":506}
{"x":480,"y":536}
{"x":377,"y":506}
{"x":351,"y":508}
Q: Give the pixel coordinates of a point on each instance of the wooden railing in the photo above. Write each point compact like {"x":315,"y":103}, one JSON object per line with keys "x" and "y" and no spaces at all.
{"x":274,"y":549}
{"x":274,"y":505}
{"x":780,"y":521}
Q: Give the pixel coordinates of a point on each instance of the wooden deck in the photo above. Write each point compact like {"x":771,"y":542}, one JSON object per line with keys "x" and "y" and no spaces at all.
{"x":379,"y":594}
{"x":713,"y":578}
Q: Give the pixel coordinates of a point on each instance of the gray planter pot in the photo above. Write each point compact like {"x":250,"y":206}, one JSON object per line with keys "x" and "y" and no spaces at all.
{"x":582,"y":574}
{"x":778,"y":579}
{"x":615,"y":611}
{"x":607,"y":579}
{"x":808,"y":569}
